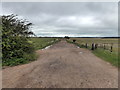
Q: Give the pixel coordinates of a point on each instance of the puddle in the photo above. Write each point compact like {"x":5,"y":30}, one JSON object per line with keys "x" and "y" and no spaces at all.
{"x":80,"y":52}
{"x":47,"y":47}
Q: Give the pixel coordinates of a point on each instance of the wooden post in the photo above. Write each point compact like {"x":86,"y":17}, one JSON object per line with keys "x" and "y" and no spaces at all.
{"x":96,"y":46}
{"x":92,"y":46}
{"x":74,"y":40}
{"x":104,"y":46}
{"x":111,"y":47}
{"x":86,"y":45}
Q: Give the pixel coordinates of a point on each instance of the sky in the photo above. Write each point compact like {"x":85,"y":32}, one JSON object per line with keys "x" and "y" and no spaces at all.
{"x":73,"y":19}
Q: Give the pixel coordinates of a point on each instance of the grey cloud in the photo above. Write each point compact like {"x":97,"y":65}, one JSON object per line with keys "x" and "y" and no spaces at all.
{"x":68,"y":18}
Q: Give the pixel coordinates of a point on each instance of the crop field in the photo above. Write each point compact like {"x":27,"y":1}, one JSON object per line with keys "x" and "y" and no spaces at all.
{"x":40,"y":43}
{"x":99,"y":41}
{"x":103,"y":50}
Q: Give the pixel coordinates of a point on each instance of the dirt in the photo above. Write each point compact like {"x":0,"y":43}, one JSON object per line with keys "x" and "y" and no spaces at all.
{"x":63,"y":65}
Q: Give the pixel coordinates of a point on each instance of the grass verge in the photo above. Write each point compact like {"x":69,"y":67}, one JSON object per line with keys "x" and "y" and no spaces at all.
{"x":106,"y":55}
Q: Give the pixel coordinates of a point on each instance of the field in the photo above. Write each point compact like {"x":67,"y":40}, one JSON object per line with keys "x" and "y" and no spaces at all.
{"x":40,"y":43}
{"x":37,"y":43}
{"x":104,"y":50}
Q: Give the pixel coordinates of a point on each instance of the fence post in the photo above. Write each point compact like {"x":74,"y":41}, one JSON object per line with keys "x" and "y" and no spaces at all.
{"x":86,"y":45}
{"x":104,"y":45}
{"x":74,"y":40}
{"x":111,"y":47}
{"x":96,"y":46}
{"x":92,"y":46}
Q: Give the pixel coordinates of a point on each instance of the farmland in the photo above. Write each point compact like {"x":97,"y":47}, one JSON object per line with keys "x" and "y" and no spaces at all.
{"x":63,"y":65}
{"x":59,"y":45}
{"x":37,"y":43}
{"x":40,"y":43}
{"x":104,"y":50}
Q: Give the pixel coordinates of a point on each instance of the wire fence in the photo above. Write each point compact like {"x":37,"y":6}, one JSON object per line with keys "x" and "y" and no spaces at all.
{"x":94,"y":46}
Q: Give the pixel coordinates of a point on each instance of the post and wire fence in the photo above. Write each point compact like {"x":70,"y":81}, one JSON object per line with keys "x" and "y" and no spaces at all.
{"x":94,"y":46}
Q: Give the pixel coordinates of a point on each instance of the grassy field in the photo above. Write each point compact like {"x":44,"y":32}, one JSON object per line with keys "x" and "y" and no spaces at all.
{"x":106,"y":53}
{"x":40,"y":43}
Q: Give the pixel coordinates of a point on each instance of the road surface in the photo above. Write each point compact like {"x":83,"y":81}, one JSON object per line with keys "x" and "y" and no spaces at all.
{"x":63,"y":65}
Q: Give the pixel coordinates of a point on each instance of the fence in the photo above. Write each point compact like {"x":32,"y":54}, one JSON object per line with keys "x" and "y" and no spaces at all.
{"x":94,"y":46}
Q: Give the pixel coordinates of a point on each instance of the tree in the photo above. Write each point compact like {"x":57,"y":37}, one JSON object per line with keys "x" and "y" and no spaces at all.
{"x":66,"y":37}
{"x":15,"y":27}
{"x":14,"y":37}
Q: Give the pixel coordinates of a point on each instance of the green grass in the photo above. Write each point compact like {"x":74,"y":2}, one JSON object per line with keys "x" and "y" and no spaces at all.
{"x":0,"y":64}
{"x":106,"y":55}
{"x":89,"y":41}
{"x":0,"y":46}
{"x":40,"y":43}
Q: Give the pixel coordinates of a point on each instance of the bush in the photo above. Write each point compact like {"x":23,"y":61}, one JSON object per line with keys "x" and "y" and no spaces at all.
{"x":14,"y":61}
{"x":30,"y":57}
{"x":16,"y":49}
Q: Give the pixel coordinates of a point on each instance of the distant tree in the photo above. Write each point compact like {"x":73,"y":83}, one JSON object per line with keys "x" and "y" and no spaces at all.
{"x":66,"y":37}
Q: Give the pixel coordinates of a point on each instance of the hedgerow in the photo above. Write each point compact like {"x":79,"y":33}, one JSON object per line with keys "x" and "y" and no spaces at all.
{"x":15,"y":46}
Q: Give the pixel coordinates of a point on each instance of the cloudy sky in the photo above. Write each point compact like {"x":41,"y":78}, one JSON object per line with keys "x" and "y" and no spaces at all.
{"x":75,"y":19}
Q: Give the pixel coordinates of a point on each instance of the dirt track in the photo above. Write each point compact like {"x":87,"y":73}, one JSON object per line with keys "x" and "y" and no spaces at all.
{"x":63,"y":65}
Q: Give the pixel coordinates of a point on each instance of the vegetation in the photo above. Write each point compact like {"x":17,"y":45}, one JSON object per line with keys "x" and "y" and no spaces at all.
{"x":15,"y":46}
{"x":111,"y":57}
{"x":40,"y":43}
{"x":0,"y":45}
{"x":106,"y":53}
{"x":67,"y":37}
{"x":19,"y":48}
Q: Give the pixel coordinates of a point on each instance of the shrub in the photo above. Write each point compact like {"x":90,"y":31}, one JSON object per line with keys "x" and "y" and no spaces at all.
{"x":14,"y":61}
{"x":15,"y":46}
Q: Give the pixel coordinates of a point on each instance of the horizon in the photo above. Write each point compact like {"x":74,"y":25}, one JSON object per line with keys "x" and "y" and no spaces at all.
{"x":71,"y":37}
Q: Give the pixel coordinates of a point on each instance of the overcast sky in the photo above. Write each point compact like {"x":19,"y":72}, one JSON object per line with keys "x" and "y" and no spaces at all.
{"x":76,"y":19}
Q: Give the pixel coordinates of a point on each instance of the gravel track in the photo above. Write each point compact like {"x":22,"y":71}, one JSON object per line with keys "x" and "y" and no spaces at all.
{"x":63,"y":65}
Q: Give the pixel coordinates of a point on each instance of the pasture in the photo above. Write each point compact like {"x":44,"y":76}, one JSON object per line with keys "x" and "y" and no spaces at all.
{"x":40,"y":43}
{"x":103,"y":50}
